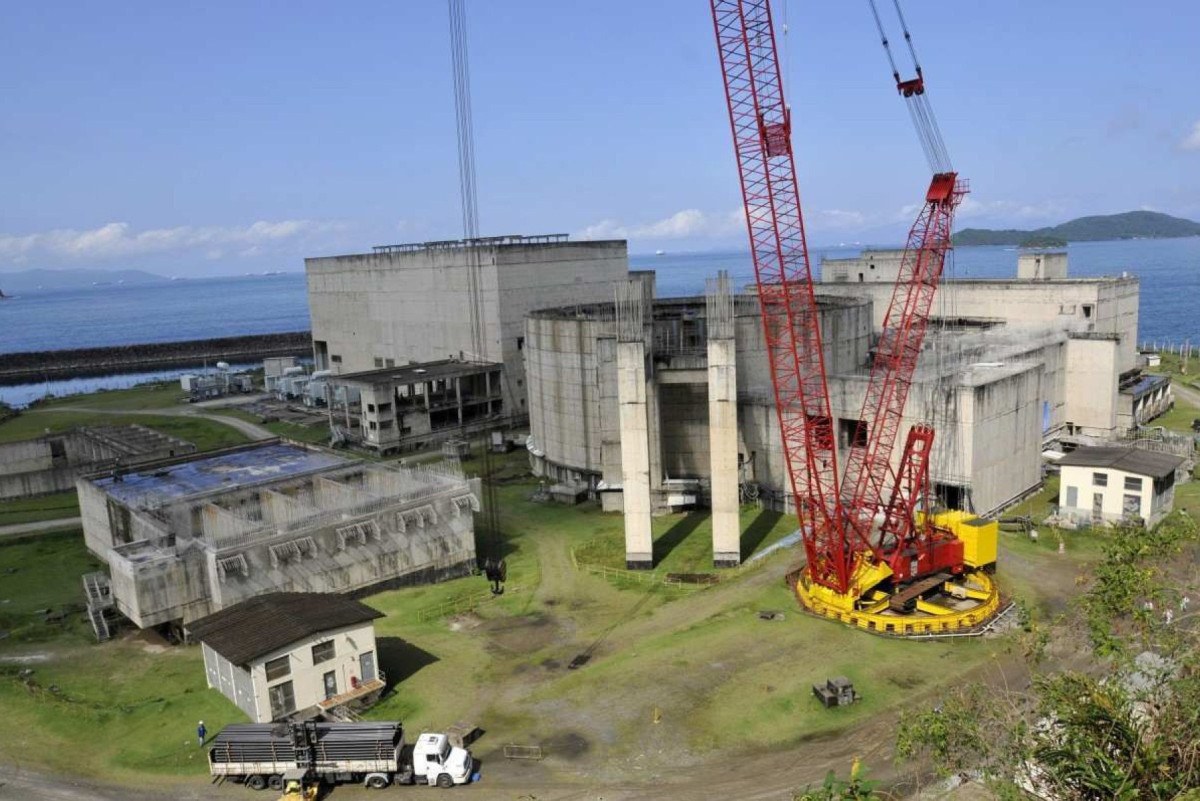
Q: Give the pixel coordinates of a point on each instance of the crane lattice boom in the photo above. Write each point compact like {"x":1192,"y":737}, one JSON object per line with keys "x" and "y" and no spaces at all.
{"x":837,"y":520}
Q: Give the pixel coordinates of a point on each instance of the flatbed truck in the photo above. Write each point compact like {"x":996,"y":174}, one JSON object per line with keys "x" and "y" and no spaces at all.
{"x":370,"y":753}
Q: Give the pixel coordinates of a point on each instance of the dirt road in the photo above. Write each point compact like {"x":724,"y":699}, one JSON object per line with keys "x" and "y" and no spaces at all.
{"x":20,"y":529}
{"x":252,"y":430}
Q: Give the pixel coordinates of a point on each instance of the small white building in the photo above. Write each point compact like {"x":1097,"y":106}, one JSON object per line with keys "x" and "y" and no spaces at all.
{"x":290,"y":654}
{"x":1103,"y":485}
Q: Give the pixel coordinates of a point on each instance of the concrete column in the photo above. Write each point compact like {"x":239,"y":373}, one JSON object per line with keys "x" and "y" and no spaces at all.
{"x":635,"y":446}
{"x":723,"y":424}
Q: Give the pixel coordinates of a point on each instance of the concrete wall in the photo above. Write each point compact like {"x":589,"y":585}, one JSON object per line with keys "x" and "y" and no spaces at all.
{"x":1151,"y":507}
{"x":415,"y":306}
{"x":307,"y":679}
{"x":1086,"y":305}
{"x":873,"y":266}
{"x":1092,"y":372}
{"x":233,"y":682}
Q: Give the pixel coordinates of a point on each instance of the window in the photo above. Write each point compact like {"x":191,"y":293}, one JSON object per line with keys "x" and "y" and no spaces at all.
{"x":860,"y":278}
{"x":330,"y":680}
{"x":385,"y":408}
{"x":336,"y":359}
{"x":1133,"y":484}
{"x":1087,"y":310}
{"x":851,"y":433}
{"x":520,"y":343}
{"x":278,"y":668}
{"x":283,"y":700}
{"x":370,"y":407}
{"x":384,"y":425}
{"x":391,"y":362}
{"x":372,"y":425}
{"x":1100,"y":479}
{"x":322,"y":652}
{"x":378,"y":362}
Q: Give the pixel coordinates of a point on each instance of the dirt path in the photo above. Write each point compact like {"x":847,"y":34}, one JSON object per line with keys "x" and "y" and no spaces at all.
{"x":40,"y":526}
{"x":1186,"y":393}
{"x":252,"y":430}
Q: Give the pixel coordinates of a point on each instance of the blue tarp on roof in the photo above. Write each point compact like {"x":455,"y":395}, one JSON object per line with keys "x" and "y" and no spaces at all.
{"x":225,"y":471}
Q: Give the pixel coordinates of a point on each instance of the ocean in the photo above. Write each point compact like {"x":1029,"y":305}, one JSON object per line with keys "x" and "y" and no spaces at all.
{"x":1169,"y":270}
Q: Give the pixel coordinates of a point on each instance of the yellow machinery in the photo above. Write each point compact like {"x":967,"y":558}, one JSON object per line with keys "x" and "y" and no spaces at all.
{"x":938,"y":604}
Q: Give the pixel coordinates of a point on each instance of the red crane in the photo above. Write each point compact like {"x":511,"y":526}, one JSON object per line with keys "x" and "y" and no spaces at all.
{"x":837,"y":511}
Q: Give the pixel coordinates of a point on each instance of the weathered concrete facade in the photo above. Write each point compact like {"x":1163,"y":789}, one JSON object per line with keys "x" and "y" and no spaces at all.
{"x":51,"y":463}
{"x":412,"y":303}
{"x":185,"y":538}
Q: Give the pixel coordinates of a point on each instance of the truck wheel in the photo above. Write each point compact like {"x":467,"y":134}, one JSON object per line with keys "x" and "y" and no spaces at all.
{"x":256,"y":782}
{"x":445,"y":781}
{"x":275,"y":782}
{"x":377,"y":782}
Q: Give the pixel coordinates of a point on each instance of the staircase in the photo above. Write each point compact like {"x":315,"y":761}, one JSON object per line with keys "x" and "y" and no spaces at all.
{"x":100,"y":609}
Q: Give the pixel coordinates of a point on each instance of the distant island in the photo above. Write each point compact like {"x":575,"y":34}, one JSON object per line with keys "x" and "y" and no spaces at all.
{"x":1130,"y":225}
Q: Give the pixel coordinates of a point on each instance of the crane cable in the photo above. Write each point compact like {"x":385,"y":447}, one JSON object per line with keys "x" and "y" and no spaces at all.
{"x":468,"y":196}
{"x":916,"y":96}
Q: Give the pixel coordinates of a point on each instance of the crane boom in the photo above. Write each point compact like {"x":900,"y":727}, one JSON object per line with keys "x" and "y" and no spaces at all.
{"x":761,"y":125}
{"x":868,"y":484}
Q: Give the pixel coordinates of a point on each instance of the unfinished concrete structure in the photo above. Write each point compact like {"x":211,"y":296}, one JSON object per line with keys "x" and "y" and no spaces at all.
{"x":412,"y":303}
{"x":185,"y":538}
{"x":52,"y":462}
{"x":411,"y":407}
{"x":634,"y":421}
{"x":1007,"y":366}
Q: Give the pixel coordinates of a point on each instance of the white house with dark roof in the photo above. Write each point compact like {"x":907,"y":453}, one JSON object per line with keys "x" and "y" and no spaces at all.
{"x":1106,"y":485}
{"x":288,"y":654}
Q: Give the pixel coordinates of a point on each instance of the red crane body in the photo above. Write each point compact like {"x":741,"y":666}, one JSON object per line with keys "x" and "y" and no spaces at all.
{"x":837,"y":520}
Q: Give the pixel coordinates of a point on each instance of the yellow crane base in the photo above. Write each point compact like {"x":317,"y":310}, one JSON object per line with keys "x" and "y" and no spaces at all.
{"x":967,"y":602}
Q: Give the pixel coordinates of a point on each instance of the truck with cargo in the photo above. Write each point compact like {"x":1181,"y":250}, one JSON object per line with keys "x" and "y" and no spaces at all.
{"x":370,"y":753}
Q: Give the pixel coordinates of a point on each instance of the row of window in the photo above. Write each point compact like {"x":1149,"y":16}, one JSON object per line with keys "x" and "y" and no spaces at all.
{"x":1132,"y":483}
{"x":278,"y":668}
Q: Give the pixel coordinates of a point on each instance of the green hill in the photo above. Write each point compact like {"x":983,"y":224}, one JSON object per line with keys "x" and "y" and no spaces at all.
{"x":1130,"y":225}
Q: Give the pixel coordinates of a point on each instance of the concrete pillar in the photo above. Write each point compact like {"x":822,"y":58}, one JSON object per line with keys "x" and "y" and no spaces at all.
{"x":723,"y":424}
{"x":635,"y":445}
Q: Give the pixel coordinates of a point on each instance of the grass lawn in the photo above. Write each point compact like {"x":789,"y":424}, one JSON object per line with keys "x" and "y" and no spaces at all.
{"x":158,"y":395}
{"x":1179,"y":418}
{"x":206,"y":434}
{"x":45,"y":507}
{"x":717,"y":675}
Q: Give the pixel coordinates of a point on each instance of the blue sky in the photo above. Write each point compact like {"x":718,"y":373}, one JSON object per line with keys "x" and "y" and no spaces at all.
{"x":232,"y":137}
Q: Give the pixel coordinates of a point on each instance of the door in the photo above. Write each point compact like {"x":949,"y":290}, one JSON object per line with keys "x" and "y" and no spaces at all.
{"x":1097,"y":507}
{"x":330,"y":685}
{"x":1131,"y":506}
{"x":366,"y":666}
{"x":283,"y":700}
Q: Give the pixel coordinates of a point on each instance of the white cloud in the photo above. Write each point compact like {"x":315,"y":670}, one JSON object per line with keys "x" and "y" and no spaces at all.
{"x":1192,"y":140}
{"x":119,"y":239}
{"x":697,"y":224}
{"x":686,"y":224}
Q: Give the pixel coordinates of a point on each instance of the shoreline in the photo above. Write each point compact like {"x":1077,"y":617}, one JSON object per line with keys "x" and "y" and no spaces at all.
{"x":32,"y":367}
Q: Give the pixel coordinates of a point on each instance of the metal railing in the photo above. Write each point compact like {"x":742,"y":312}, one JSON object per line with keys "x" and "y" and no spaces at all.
{"x":466,"y":603}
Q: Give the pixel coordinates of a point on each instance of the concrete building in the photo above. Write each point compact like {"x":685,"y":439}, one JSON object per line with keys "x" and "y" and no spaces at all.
{"x":184,"y":538}
{"x":410,"y":407}
{"x":870,"y":266}
{"x":403,"y":304}
{"x":1105,"y":485}
{"x":52,"y":462}
{"x":291,"y":654}
{"x":1007,"y":365}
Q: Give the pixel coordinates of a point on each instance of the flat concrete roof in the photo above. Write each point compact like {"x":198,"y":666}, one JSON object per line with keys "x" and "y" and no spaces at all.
{"x":221,"y":471}
{"x":415,"y":373}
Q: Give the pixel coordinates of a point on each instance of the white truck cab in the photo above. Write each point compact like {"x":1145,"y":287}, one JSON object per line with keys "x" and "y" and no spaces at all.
{"x":439,"y":763}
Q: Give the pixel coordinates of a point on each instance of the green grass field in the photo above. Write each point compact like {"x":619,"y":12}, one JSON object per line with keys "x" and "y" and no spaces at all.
{"x":206,"y":434}
{"x":45,"y":507}
{"x":716,"y":676}
{"x":158,"y":395}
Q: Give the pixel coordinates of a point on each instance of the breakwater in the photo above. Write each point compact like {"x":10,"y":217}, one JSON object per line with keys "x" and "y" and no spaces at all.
{"x":34,"y":366}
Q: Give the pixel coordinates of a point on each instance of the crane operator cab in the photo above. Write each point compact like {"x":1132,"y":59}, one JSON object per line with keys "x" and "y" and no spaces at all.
{"x":437,"y":762}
